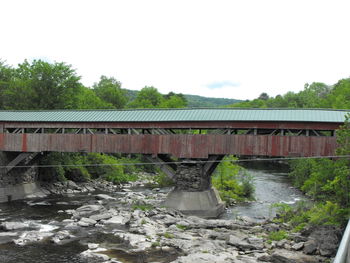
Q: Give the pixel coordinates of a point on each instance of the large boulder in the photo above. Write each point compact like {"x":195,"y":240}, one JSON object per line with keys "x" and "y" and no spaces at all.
{"x":286,"y":256}
{"x":327,"y":239}
{"x":88,"y":210}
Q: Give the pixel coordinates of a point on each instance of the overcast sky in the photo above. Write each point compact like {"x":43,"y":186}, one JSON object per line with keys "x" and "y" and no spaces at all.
{"x":231,"y":49}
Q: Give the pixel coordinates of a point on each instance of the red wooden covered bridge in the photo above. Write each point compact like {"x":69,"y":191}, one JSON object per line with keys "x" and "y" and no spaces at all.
{"x":186,"y":134}
{"x":183,"y":133}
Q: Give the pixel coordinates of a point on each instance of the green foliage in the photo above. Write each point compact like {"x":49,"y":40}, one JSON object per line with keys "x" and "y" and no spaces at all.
{"x":168,"y":235}
{"x":148,"y":97}
{"x":278,"y":235}
{"x":82,"y":167}
{"x":88,"y":99}
{"x":316,"y":95}
{"x":41,"y":85}
{"x":161,"y":180}
{"x":232,"y":182}
{"x":327,"y":182}
{"x":141,"y":206}
{"x":306,"y":214}
{"x":156,"y":244}
{"x":109,"y":90}
{"x":73,"y":168}
{"x":111,"y":168}
{"x":182,"y":227}
{"x":195,"y":101}
{"x":173,"y":101}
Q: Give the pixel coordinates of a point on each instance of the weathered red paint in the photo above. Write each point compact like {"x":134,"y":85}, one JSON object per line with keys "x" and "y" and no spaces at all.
{"x":178,"y":145}
{"x":24,"y":142}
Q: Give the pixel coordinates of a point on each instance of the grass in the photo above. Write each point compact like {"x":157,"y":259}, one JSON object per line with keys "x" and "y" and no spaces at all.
{"x":278,"y":235}
{"x":168,"y":235}
{"x":182,"y":227}
{"x":143,"y":207}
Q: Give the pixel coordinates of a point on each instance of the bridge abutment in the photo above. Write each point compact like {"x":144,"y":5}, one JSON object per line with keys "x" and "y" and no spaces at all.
{"x":193,"y":193}
{"x":18,"y":183}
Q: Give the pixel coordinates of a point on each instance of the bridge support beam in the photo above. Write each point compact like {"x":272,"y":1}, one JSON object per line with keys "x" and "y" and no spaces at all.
{"x":193,"y":193}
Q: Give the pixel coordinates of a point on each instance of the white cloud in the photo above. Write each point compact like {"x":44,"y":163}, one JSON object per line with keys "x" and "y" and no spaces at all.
{"x":268,"y":46}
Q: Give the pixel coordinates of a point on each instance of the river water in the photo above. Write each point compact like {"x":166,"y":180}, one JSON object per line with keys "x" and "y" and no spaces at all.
{"x":271,"y":186}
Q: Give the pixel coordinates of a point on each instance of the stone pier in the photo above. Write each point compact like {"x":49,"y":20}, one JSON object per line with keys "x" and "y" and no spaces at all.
{"x":193,"y":193}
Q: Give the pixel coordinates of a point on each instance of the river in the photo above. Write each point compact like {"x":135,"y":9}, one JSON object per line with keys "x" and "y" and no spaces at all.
{"x":271,"y":184}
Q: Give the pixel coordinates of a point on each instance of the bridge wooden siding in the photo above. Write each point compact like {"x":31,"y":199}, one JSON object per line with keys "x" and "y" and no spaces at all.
{"x":178,"y":145}
{"x":242,"y":132}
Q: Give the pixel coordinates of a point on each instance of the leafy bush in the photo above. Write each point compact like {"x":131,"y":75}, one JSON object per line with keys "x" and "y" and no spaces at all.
{"x":161,"y":180}
{"x":232,"y":181}
{"x":82,"y":167}
{"x":305,"y":214}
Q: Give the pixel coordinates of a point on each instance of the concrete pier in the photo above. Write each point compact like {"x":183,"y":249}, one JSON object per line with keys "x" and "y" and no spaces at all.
{"x":193,"y":193}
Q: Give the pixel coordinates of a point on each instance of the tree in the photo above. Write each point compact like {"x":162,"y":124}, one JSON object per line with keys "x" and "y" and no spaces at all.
{"x":339,"y":97}
{"x":109,"y":90}
{"x":263,"y":96}
{"x":148,"y":97}
{"x":88,"y":99}
{"x":6,"y":74}
{"x":41,"y":85}
{"x":172,"y":100}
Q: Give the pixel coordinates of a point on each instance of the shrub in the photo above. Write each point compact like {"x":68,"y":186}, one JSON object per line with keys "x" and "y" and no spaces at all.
{"x":278,"y":235}
{"x":232,"y":181}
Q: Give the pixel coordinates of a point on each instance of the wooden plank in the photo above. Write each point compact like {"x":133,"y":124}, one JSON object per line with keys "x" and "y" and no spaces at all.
{"x":178,"y":145}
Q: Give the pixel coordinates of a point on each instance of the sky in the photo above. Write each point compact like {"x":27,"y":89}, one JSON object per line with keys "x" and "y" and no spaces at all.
{"x":229,"y":49}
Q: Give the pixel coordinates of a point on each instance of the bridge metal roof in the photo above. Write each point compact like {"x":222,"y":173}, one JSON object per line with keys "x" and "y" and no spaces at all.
{"x":173,"y":115}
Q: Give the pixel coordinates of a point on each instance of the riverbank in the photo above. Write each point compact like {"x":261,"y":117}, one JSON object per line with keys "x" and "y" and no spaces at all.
{"x":135,"y":227}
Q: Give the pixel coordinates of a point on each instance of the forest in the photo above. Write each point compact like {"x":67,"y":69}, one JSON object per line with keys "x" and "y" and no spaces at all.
{"x":39,"y":85}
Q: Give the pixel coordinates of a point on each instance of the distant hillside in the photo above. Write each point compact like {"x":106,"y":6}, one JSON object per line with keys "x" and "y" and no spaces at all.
{"x":195,"y":101}
{"x":199,"y":101}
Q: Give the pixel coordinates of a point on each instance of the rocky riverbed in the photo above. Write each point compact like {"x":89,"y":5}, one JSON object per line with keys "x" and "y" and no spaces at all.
{"x":129,"y":224}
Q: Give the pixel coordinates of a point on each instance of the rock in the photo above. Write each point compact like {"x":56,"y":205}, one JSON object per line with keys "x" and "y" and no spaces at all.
{"x":72,"y":185}
{"x":297,"y":237}
{"x":265,"y":257}
{"x":258,"y":243}
{"x":99,"y":217}
{"x":9,"y":226}
{"x":285,"y":256}
{"x":310,"y":247}
{"x":61,"y":236}
{"x":85,"y":222}
{"x":241,"y":244}
{"x":93,"y":245}
{"x":89,"y":188}
{"x":32,"y":236}
{"x":272,"y":227}
{"x":327,"y":239}
{"x":205,"y":258}
{"x":119,"y":219}
{"x":43,"y":203}
{"x":298,"y":246}
{"x":135,"y":240}
{"x":94,"y":254}
{"x":88,"y":210}
{"x":104,"y":197}
{"x":282,"y":243}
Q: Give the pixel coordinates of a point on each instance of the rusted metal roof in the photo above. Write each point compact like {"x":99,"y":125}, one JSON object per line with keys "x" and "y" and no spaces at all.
{"x":174,"y":115}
